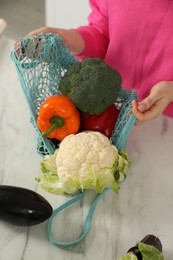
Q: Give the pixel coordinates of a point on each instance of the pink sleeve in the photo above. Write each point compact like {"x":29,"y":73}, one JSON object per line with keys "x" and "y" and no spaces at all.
{"x":95,"y":34}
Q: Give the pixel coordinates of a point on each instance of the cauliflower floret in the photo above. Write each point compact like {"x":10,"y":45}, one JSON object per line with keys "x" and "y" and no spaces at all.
{"x":88,"y":158}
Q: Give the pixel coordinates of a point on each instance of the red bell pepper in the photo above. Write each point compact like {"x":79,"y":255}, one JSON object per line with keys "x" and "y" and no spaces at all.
{"x":104,"y":122}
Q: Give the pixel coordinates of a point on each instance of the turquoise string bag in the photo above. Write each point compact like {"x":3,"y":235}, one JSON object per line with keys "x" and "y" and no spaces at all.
{"x":41,"y":62}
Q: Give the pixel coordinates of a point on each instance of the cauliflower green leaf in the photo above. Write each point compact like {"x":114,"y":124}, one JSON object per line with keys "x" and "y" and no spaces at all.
{"x":87,"y":160}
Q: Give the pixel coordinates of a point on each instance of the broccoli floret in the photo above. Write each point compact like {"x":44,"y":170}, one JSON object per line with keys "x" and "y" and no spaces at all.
{"x":91,"y":84}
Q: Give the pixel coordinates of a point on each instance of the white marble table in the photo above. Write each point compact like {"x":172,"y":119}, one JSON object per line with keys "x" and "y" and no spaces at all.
{"x":144,"y":204}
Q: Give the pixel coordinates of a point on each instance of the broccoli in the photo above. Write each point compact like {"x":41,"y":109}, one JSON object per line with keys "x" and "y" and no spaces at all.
{"x":91,"y":84}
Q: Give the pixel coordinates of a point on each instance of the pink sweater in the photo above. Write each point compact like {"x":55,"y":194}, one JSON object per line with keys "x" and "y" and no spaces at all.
{"x":136,"y":38}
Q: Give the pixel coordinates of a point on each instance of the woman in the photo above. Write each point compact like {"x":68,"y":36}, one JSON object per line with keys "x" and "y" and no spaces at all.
{"x":137,"y":40}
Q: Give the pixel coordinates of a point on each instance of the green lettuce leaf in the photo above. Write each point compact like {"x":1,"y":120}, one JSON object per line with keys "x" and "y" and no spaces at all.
{"x":49,"y":163}
{"x":51,"y":183}
{"x":123,"y":165}
{"x":149,"y":252}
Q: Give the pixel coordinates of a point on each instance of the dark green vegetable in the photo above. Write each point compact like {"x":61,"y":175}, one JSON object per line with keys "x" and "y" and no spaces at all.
{"x":23,"y":207}
{"x":91,"y":84}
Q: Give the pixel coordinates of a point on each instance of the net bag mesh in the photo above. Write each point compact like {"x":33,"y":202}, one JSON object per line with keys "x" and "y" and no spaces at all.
{"x":41,"y":62}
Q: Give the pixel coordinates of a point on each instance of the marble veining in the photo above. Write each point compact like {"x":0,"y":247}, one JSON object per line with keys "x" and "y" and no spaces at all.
{"x":143,"y":204}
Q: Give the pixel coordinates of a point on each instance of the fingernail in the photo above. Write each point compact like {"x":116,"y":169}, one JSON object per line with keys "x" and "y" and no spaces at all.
{"x":133,"y":102}
{"x":142,"y":107}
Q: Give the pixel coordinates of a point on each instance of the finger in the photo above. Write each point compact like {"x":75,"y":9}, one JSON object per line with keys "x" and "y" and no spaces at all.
{"x":30,"y":49}
{"x":143,"y":116}
{"x":151,"y":113}
{"x":36,"y":32}
{"x":43,"y":30}
{"x":149,"y":101}
{"x":18,"y":43}
{"x":156,"y":109}
{"x":137,"y":113}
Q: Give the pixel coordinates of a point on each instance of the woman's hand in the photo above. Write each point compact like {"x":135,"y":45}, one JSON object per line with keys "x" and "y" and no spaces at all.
{"x":152,"y":106}
{"x":72,"y":38}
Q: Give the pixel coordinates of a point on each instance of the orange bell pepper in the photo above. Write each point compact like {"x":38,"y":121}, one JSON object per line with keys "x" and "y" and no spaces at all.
{"x":58,"y":117}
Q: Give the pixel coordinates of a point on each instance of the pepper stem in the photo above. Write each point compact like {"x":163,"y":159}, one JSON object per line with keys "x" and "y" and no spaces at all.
{"x":56,"y":122}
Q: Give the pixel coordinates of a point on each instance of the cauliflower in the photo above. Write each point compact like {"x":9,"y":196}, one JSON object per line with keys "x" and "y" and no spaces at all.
{"x":87,"y":160}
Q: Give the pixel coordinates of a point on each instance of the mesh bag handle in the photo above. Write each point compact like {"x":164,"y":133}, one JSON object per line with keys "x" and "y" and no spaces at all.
{"x":86,"y":225}
{"x":41,"y":62}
